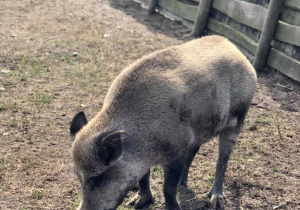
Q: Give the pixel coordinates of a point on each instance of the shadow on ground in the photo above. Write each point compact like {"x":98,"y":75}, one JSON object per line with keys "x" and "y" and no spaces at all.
{"x":188,"y":200}
{"x":281,"y":89}
{"x":155,"y":22}
{"x":191,"y":201}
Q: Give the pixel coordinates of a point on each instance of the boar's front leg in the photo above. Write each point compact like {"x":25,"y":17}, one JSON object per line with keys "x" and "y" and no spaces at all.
{"x":144,"y":197}
{"x":172,"y":174}
{"x":192,"y":151}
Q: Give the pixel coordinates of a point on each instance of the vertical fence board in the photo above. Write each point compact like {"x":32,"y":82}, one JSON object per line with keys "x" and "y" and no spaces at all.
{"x":267,"y":33}
{"x":152,"y":6}
{"x":202,"y":17}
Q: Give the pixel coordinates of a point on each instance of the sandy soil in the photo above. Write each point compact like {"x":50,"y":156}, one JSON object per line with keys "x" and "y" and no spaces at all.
{"x":42,"y":86}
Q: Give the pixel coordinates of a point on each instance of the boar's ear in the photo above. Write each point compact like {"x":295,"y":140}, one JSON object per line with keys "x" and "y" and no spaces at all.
{"x":77,"y":123}
{"x":111,"y":147}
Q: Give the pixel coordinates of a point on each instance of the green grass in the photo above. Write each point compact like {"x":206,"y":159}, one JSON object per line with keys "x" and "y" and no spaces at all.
{"x":260,"y":150}
{"x":14,"y":107}
{"x":66,"y":58}
{"x":211,"y":178}
{"x":36,"y":66}
{"x":25,"y":122}
{"x":77,"y":201}
{"x":40,"y":98}
{"x":25,"y":111}
{"x":20,"y":75}
{"x":2,"y":108}
{"x":14,"y":124}
{"x":157,"y":171}
{"x":37,"y":194}
{"x":264,"y":120}
{"x":3,"y":187}
{"x":7,"y":83}
{"x":239,"y":161}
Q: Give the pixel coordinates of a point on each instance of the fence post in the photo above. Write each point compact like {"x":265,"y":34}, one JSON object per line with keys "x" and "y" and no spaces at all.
{"x":267,"y":34}
{"x":152,"y":6}
{"x":202,"y":17}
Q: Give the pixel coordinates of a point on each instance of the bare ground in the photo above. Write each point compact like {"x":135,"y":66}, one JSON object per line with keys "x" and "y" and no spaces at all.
{"x":42,"y":85}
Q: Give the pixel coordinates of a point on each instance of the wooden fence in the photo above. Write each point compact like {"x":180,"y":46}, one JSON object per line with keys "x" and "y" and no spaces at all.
{"x":267,"y":31}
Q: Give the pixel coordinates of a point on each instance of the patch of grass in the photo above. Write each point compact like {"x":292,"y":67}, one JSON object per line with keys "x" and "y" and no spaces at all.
{"x":260,"y":150}
{"x":211,"y":178}
{"x":157,"y":171}
{"x":21,"y":76}
{"x":36,"y":66}
{"x":264,"y":120}
{"x":25,"y":122}
{"x":25,"y":111}
{"x":66,"y":58}
{"x":203,"y":163}
{"x":37,"y":194}
{"x":14,"y":107}
{"x":7,"y":83}
{"x":30,"y":67}
{"x":2,"y":108}
{"x":83,"y":84}
{"x":77,"y":202}
{"x":2,"y":162}
{"x":14,"y":124}
{"x":40,"y":98}
{"x":3,"y":187}
{"x":239,"y":161}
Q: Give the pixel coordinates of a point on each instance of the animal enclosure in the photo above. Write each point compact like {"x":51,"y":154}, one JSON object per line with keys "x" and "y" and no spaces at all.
{"x":42,"y":86}
{"x":268,"y":32}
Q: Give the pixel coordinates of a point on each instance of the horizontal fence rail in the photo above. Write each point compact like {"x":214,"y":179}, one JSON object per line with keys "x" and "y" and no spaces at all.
{"x":268,"y":32}
{"x":186,"y":11}
{"x":228,"y":31}
{"x":246,"y":13}
{"x":288,"y":33}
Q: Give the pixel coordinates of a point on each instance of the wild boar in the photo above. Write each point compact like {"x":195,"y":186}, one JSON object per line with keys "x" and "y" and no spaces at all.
{"x":160,"y":110}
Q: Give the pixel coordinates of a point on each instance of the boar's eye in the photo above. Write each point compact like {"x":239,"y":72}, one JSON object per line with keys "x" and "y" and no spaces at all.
{"x":94,"y":182}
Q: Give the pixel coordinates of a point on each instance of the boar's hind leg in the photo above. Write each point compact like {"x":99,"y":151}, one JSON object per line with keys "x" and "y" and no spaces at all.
{"x":192,"y":151}
{"x":228,"y":138}
{"x":144,"y":197}
{"x":172,"y":174}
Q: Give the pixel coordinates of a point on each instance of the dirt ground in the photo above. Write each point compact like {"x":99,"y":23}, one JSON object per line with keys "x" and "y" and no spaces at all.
{"x":43,"y":85}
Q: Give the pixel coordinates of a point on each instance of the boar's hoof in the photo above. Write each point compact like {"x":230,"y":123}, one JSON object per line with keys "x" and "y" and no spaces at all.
{"x":140,"y":202}
{"x":217,"y":201}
